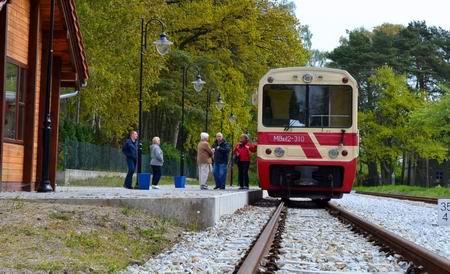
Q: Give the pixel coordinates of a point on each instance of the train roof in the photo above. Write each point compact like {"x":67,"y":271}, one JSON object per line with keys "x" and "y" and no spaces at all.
{"x":309,"y":69}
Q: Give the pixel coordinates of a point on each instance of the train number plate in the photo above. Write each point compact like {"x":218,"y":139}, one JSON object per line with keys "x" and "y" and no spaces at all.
{"x":289,"y":139}
{"x":444,"y":212}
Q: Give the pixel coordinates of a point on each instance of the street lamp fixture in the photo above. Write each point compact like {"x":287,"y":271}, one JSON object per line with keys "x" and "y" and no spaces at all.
{"x":198,"y":86}
{"x":198,"y":83}
{"x":219,"y":105}
{"x":162,"y":46}
{"x":232,"y":118}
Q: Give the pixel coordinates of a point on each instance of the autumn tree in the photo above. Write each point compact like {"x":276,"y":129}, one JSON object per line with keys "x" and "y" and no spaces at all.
{"x":234,"y":42}
{"x":385,"y":129}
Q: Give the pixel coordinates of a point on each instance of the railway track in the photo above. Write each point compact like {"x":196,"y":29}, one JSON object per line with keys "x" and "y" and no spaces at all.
{"x":265,"y":248}
{"x":401,"y":197}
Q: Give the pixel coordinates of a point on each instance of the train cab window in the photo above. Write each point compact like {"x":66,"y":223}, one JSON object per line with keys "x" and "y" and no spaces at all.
{"x":284,"y":105}
{"x":307,"y":106}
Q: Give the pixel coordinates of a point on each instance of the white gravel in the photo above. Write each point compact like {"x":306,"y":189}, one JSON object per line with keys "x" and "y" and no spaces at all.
{"x":415,"y":221}
{"x":313,"y":240}
{"x":215,"y":250}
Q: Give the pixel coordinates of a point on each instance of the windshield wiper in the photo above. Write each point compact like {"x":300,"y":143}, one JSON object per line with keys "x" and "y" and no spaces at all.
{"x":342,"y":137}
{"x":291,"y":123}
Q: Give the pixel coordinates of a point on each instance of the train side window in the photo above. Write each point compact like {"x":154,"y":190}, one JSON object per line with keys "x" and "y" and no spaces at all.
{"x":330,"y":106}
{"x":319,"y":106}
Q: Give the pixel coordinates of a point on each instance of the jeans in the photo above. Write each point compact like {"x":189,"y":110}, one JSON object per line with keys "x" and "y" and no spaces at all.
{"x":220,"y":175}
{"x":131,"y":167}
{"x":243,"y":173}
{"x":156,"y":175}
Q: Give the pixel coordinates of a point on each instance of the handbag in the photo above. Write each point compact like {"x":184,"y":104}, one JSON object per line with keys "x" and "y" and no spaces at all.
{"x":235,"y":159}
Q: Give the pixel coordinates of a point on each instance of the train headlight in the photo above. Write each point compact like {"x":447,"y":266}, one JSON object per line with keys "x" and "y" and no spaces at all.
{"x":279,"y":152}
{"x":333,"y":153}
{"x":307,"y":78}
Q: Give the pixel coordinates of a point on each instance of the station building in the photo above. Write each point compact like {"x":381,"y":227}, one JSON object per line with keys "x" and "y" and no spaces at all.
{"x":24,"y":42}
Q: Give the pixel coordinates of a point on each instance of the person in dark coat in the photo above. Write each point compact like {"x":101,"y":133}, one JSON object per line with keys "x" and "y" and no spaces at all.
{"x":130,"y":149}
{"x":221,"y":150}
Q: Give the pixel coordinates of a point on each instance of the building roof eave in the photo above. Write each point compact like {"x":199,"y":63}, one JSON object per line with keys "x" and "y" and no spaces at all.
{"x":71,"y":20}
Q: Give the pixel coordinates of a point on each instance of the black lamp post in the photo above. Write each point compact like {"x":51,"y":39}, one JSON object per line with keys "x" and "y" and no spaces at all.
{"x":220,"y":104}
{"x":208,"y":103}
{"x":45,"y":184}
{"x":198,"y":86}
{"x":162,"y":46}
{"x":232,"y":120}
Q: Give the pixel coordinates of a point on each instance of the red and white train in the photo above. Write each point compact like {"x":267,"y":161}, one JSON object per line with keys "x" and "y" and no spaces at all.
{"x":307,"y":132}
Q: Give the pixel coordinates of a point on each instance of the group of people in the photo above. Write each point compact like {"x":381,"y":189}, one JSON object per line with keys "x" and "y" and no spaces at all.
{"x":130,"y":149}
{"x":213,"y":159}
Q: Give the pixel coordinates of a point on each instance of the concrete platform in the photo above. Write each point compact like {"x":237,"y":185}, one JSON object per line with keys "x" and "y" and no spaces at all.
{"x":189,"y":206}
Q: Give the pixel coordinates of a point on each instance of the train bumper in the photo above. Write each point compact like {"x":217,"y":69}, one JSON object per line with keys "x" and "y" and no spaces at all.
{"x":306,"y":178}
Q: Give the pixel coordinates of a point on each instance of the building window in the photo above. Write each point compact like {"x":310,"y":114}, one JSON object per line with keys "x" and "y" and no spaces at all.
{"x":14,"y":102}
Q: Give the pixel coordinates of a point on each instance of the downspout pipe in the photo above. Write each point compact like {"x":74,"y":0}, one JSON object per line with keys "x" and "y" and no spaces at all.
{"x":68,"y":95}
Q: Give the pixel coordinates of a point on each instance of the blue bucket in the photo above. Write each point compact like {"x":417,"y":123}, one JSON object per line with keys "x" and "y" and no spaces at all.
{"x":144,"y":180}
{"x":180,"y":181}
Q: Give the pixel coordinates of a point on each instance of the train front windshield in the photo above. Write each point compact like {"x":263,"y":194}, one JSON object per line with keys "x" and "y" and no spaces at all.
{"x":316,"y":106}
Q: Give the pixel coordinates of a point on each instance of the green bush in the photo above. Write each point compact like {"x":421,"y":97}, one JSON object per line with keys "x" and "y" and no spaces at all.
{"x":69,"y":130}
{"x":170,"y":152}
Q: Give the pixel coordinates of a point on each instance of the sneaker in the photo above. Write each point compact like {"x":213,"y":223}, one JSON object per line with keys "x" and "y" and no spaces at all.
{"x":204,"y":187}
{"x":155,"y":187}
{"x":216,"y":187}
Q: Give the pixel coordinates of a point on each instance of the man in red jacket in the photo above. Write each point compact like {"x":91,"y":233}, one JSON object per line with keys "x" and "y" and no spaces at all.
{"x":242,"y":153}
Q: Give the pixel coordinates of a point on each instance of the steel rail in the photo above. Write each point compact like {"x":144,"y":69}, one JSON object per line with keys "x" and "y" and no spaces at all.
{"x":401,"y":197}
{"x":419,"y":255}
{"x":262,"y":245}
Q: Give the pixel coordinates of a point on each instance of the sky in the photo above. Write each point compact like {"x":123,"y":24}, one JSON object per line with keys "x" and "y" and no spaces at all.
{"x":329,"y":19}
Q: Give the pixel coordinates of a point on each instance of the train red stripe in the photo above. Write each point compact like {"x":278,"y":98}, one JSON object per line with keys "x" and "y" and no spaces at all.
{"x":334,"y":139}
{"x":282,"y":138}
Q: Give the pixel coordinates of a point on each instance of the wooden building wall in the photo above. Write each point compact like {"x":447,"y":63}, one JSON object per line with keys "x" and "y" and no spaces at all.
{"x":17,"y":49}
{"x":24,"y":45}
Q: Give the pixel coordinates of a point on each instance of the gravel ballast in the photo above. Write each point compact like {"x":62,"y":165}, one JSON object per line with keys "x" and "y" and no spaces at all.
{"x":414,"y":221}
{"x":215,"y":250}
{"x":313,"y":240}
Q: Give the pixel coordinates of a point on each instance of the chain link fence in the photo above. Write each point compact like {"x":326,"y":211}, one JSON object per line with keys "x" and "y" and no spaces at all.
{"x":85,"y":156}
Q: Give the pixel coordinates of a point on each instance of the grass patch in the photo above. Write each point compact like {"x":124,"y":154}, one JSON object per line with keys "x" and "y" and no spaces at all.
{"x":436,"y":192}
{"x":79,"y":239}
{"x":17,"y":203}
{"x":62,"y":216}
{"x":110,"y":181}
{"x":129,"y":211}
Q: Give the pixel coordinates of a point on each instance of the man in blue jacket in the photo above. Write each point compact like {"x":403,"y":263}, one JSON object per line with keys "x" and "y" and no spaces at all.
{"x":130,"y":148}
{"x":221,"y":150}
